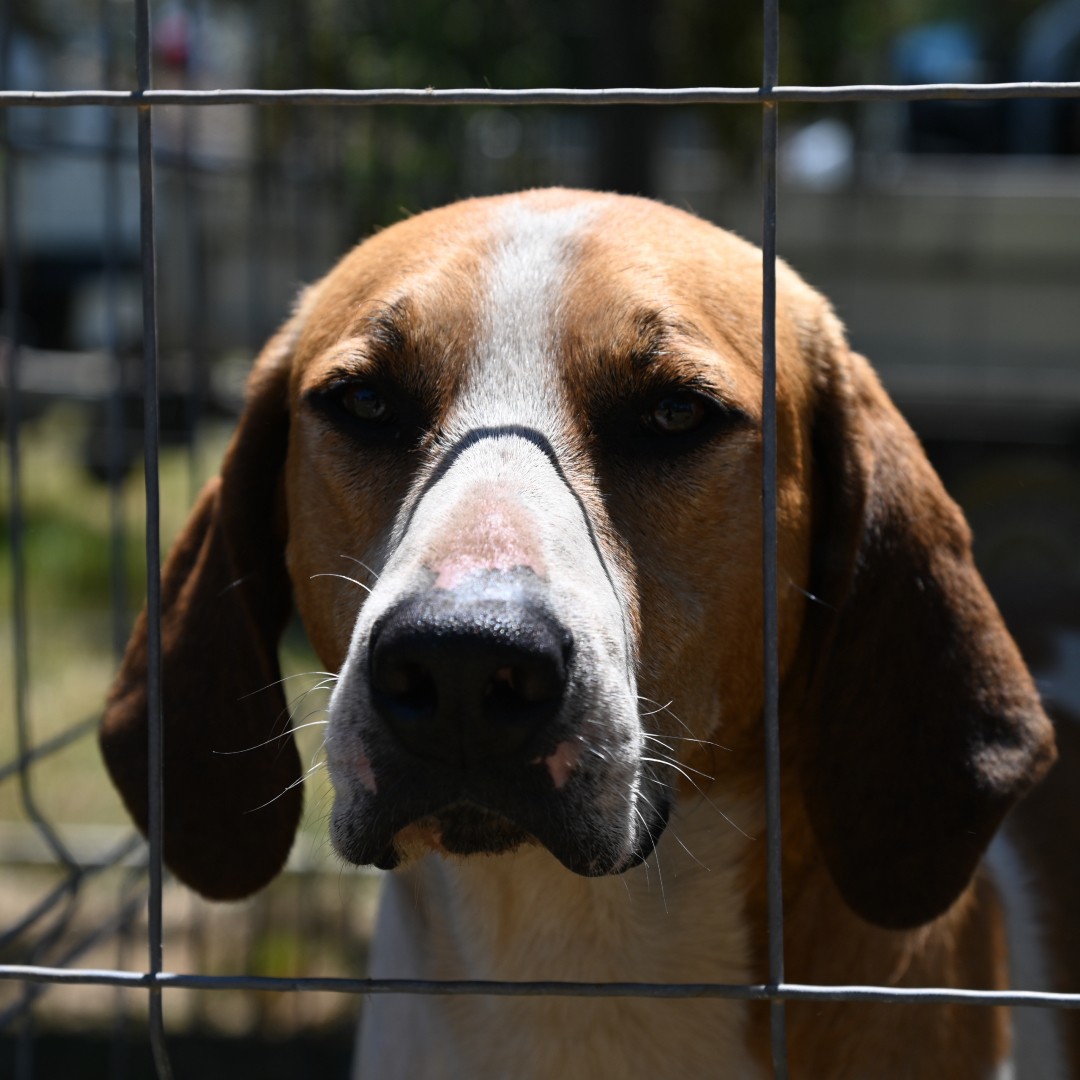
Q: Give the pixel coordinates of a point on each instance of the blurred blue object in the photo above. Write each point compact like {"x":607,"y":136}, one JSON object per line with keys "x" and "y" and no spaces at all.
{"x":938,"y":53}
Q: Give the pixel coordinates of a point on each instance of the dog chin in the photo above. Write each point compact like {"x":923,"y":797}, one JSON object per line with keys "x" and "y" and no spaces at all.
{"x":461,"y":829}
{"x":465,"y":829}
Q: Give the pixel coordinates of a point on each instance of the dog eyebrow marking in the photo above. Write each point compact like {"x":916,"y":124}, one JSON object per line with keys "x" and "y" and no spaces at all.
{"x":660,"y":347}
{"x":386,"y":325}
{"x":657,"y":334}
{"x":388,"y":342}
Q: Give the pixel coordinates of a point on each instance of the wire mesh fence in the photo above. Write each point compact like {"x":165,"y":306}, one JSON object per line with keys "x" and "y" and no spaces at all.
{"x":42,"y":945}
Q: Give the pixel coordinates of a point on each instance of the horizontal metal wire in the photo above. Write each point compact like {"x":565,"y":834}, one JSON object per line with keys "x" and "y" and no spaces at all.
{"x":700,"y":95}
{"x":166,"y":980}
{"x":115,"y":924}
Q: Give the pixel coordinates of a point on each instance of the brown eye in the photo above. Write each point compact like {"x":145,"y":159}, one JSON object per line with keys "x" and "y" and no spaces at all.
{"x":676,"y":414}
{"x":366,"y":403}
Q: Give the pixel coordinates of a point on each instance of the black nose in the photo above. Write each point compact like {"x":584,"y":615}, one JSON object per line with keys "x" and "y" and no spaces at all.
{"x":466,"y":677}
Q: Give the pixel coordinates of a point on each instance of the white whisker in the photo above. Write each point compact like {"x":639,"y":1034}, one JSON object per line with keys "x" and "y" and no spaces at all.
{"x":272,"y":739}
{"x":295,"y":784}
{"x":364,"y":565}
{"x":682,"y":723}
{"x":701,"y":792}
{"x":344,"y":577}
{"x":689,"y":852}
{"x":684,"y":769}
{"x":656,"y":858}
{"x":278,"y":682}
{"x":687,"y":738}
{"x":659,"y":709}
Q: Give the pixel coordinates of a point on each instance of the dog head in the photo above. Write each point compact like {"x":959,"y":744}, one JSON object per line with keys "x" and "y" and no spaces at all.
{"x":528,"y":430}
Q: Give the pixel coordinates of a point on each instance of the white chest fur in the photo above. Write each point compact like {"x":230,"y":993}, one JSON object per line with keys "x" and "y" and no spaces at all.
{"x":524,"y":917}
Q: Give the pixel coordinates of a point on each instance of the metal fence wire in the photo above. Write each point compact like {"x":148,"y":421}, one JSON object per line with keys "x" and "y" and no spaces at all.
{"x":50,"y":915}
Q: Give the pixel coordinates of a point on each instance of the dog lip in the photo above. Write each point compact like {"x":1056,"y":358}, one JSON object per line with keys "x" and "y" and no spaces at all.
{"x":492,"y":812}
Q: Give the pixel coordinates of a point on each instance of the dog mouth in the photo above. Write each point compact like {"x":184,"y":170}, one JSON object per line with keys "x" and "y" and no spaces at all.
{"x":591,"y":825}
{"x":465,"y":829}
{"x":474,"y":720}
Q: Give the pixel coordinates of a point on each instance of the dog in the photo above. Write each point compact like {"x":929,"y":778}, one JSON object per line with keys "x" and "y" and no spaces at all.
{"x":529,"y":428}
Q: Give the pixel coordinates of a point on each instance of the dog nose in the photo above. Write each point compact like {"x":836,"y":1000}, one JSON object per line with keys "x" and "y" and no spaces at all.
{"x":467,"y":677}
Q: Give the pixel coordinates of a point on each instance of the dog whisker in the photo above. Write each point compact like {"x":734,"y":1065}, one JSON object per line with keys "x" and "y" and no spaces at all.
{"x":682,"y":723}
{"x":344,"y":577}
{"x":672,"y":763}
{"x":656,"y":859}
{"x":293,"y":707}
{"x":363,"y":565}
{"x":810,"y":596}
{"x":595,"y":751}
{"x":295,"y":704}
{"x":688,"y":739}
{"x":295,"y":784}
{"x":678,"y":841}
{"x":312,"y":723}
{"x":267,"y":742}
{"x":665,"y":709}
{"x":675,"y":836}
{"x":658,"y":709}
{"x":702,"y":793}
{"x":277,"y":682}
{"x":658,"y":741}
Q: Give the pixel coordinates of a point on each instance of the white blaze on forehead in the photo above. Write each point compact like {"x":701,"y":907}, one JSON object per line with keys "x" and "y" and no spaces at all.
{"x":513,"y":375}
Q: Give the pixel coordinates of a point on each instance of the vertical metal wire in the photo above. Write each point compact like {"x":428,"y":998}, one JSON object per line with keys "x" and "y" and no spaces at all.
{"x":151,"y":442}
{"x":771,"y":665}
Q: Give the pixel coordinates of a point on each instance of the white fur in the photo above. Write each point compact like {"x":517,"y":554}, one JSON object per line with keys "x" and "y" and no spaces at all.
{"x":502,"y":442}
{"x":524,"y":917}
{"x":1038,"y":1047}
{"x":511,"y":381}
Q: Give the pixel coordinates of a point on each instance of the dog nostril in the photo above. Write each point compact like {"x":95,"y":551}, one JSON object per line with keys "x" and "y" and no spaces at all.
{"x":468,"y":678}
{"x":511,"y":687}
{"x":504,"y":677}
{"x":410,"y":686}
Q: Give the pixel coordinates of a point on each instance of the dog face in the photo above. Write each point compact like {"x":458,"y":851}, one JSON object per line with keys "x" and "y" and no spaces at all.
{"x":528,"y":429}
{"x":516,"y":444}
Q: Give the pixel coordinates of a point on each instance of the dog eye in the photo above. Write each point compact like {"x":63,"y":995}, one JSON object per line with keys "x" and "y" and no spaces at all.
{"x":677,"y":413}
{"x":365,"y":403}
{"x":369,"y":410}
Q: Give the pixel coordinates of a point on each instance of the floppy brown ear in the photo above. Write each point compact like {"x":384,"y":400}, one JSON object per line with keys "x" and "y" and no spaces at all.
{"x":231,"y":799}
{"x":924,"y":726}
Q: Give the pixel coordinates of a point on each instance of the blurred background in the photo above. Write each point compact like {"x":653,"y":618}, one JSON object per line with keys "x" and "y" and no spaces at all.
{"x":947,"y":235}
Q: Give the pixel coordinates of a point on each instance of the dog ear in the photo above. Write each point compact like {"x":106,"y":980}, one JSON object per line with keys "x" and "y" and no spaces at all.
{"x":232,"y":795}
{"x":924,"y":726}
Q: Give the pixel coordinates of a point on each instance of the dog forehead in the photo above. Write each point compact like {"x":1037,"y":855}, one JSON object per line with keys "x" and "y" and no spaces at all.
{"x":532,"y":253}
{"x":495,"y":289}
